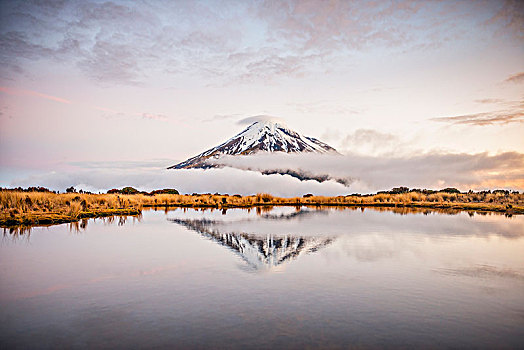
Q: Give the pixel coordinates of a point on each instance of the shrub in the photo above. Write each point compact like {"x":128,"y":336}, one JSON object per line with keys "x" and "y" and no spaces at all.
{"x":165,"y":190}
{"x":398,"y":190}
{"x":129,"y":190}
{"x":449,"y":190}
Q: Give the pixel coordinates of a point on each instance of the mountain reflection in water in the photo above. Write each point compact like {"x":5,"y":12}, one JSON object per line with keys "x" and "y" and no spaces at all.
{"x":262,"y":252}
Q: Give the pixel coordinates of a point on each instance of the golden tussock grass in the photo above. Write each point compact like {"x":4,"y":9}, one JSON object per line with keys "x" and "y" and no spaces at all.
{"x":47,"y":207}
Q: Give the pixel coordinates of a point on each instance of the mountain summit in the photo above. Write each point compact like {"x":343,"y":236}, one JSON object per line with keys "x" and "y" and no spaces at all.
{"x":261,"y":136}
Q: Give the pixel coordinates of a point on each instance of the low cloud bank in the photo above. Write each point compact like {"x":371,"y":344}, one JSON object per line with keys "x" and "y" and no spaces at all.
{"x":369,"y":174}
{"x":226,"y":180}
{"x":304,"y":173}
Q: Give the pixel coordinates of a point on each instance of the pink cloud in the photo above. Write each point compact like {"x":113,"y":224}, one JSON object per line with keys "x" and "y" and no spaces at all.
{"x":516,"y":78}
{"x":22,"y":92}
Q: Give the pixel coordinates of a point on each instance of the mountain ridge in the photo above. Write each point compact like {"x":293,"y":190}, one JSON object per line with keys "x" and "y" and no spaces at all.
{"x":260,"y":136}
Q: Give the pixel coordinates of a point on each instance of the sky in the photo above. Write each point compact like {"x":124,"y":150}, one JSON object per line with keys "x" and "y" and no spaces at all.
{"x":100,"y":93}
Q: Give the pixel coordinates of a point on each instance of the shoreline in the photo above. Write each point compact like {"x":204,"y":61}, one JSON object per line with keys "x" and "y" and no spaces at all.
{"x":477,"y":207}
{"x":56,"y":218}
{"x":46,"y":219}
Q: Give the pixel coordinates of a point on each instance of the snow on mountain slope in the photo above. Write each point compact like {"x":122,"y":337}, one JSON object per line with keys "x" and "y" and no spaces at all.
{"x":261,"y":136}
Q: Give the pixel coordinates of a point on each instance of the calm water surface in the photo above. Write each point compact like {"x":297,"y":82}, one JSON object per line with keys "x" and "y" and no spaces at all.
{"x":285,"y":278}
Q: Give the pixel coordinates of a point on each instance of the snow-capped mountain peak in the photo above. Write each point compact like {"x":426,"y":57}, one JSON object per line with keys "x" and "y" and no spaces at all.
{"x":261,"y":136}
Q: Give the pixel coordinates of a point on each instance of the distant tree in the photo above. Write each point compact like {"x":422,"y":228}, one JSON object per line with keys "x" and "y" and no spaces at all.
{"x":70,"y":190}
{"x":449,"y":190}
{"x":37,"y":189}
{"x":125,"y":190}
{"x":165,"y":190}
{"x":504,"y":192}
{"x":129,"y":190}
{"x":397,"y":190}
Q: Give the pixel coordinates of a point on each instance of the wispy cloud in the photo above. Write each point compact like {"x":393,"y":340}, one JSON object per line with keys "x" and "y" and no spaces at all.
{"x":31,"y":93}
{"x":233,"y":42}
{"x":220,"y":117}
{"x":151,"y":116}
{"x":484,"y":119}
{"x":370,"y":138}
{"x":516,"y":78}
{"x":322,"y":26}
{"x":509,"y":18}
{"x":490,"y":101}
{"x":260,"y":118}
{"x":109,"y":60}
{"x":367,"y":141}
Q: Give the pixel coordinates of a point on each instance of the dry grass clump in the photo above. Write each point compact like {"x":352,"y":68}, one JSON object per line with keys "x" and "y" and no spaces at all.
{"x":39,"y":201}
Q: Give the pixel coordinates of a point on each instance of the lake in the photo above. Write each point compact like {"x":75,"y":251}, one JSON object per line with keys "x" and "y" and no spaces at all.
{"x":277,"y":278}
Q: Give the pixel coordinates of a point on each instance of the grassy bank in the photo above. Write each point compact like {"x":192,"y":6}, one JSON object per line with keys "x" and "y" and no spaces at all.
{"x":47,"y":208}
{"x":35,"y":208}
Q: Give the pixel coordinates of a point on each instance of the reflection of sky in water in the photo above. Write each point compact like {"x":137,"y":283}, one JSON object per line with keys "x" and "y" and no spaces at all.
{"x":311,"y":222}
{"x":265,"y":238}
{"x":381,"y":279}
